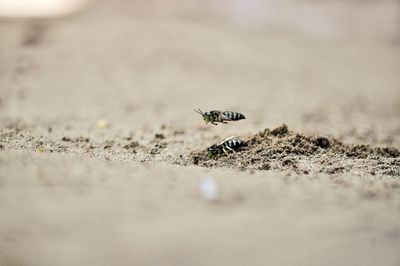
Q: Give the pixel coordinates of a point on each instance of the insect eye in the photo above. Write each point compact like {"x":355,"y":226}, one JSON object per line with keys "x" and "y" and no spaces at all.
{"x":212,"y":148}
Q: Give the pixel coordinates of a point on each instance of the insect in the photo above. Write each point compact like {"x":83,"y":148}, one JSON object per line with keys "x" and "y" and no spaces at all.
{"x":230,"y":144}
{"x":220,"y":116}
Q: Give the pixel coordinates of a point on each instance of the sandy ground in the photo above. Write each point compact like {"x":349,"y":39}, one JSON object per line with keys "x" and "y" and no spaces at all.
{"x":99,"y":144}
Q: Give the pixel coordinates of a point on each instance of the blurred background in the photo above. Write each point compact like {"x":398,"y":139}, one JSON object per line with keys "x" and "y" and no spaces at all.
{"x":316,"y":65}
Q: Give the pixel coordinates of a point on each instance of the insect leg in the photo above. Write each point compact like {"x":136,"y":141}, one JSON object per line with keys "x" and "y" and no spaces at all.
{"x":229,"y":148}
{"x":223,"y":149}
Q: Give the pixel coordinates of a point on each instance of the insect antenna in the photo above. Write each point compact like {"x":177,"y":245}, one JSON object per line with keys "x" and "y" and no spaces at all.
{"x":199,"y":111}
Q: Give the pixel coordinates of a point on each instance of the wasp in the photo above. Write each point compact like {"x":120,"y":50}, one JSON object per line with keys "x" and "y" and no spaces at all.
{"x":230,"y":144}
{"x":220,"y":116}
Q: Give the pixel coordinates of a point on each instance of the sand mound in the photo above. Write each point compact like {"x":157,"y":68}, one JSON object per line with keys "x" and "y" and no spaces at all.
{"x":281,"y":149}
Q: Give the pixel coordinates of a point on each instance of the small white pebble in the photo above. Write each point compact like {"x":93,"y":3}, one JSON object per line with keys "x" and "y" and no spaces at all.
{"x":102,"y":123}
{"x":208,"y":188}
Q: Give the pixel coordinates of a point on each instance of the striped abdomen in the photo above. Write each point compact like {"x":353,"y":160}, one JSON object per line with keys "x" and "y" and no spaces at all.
{"x":234,"y":116}
{"x":234,"y":143}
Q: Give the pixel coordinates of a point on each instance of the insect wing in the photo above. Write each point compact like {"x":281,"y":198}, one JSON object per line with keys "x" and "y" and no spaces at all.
{"x":226,"y":140}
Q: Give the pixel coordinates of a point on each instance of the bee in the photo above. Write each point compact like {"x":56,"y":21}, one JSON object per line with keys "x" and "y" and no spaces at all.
{"x":220,"y":116}
{"x":230,"y":144}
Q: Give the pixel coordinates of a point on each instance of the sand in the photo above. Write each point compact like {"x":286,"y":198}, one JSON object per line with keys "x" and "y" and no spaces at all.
{"x":102,"y":157}
{"x":280,"y":149}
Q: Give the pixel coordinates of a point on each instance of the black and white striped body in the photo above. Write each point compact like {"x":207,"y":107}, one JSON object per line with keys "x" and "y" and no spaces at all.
{"x":233,"y":144}
{"x":232,"y":116}
{"x":228,"y":145}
